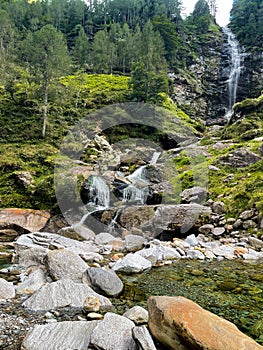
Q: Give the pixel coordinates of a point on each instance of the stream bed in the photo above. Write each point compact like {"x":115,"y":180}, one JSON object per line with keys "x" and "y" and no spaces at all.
{"x":230,"y":289}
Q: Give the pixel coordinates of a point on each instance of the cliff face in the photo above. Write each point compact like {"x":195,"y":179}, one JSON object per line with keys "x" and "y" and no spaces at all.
{"x":202,"y":89}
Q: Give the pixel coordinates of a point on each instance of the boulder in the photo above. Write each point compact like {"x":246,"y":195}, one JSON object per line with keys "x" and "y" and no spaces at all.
{"x":104,"y":238}
{"x":157,"y":218}
{"x":78,"y":232}
{"x":32,"y":283}
{"x":62,"y":293}
{"x":27,"y":257}
{"x":194,"y":194}
{"x":159,"y":253}
{"x":195,"y":254}
{"x":53,"y":241}
{"x":218,"y":231}
{"x":206,"y":229}
{"x":240,"y":158}
{"x":60,"y":336}
{"x":247,"y":214}
{"x":143,"y":338}
{"x":132,"y":263}
{"x":29,"y":219}
{"x":114,"y":332}
{"x":64,"y":263}
{"x":192,"y":240}
{"x":137,"y":314}
{"x":218,"y":208}
{"x":134,"y":242}
{"x":181,"y":324}
{"x":181,"y":217}
{"x":255,"y":242}
{"x":104,"y":281}
{"x":7,"y":290}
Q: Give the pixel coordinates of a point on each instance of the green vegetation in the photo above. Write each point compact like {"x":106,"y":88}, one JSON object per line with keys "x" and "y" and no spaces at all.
{"x":246,"y":23}
{"x":21,"y":144}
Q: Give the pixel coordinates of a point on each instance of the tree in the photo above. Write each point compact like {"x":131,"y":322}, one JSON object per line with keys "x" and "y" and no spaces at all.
{"x":81,"y":49}
{"x":103,"y":53}
{"x":47,"y":54}
{"x":167,"y":29}
{"x":146,"y":85}
{"x":202,"y":17}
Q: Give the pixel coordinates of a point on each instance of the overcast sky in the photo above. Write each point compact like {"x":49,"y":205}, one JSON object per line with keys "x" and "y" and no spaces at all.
{"x":223,"y":10}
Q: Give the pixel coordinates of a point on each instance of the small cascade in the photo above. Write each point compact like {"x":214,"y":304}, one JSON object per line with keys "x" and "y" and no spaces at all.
{"x":138,"y":190}
{"x":234,"y":69}
{"x":111,"y":228}
{"x":99,"y":196}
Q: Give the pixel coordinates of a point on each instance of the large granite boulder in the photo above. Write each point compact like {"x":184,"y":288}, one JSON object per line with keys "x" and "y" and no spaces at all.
{"x":53,"y":241}
{"x":181,"y":324}
{"x":60,"y":336}
{"x":63,"y":263}
{"x":114,"y":332}
{"x":104,"y":281}
{"x":155,"y":219}
{"x":29,"y":219}
{"x":62,"y":293}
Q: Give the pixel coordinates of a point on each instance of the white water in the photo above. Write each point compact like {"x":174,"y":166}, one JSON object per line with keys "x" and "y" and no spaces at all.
{"x":235,"y":69}
{"x":138,"y":190}
{"x":99,"y":194}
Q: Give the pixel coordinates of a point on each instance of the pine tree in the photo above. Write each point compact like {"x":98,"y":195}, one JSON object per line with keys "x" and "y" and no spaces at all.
{"x":47,"y":54}
{"x":81,"y":50}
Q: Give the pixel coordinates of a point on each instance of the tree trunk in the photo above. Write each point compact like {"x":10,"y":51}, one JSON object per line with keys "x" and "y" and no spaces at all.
{"x":45,"y":101}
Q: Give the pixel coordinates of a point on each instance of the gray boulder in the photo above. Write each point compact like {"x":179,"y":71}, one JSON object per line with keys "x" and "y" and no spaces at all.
{"x":7,"y":290}
{"x":64,"y":263}
{"x":32,"y":283}
{"x":194,"y":194}
{"x":65,"y":335}
{"x":132,"y":263}
{"x":104,"y":238}
{"x":137,"y":314}
{"x":105,"y":281}
{"x":78,"y":232}
{"x":114,"y":333}
{"x":134,"y":242}
{"x":143,"y":338}
{"x":255,"y":242}
{"x":62,"y":293}
{"x":240,"y":158}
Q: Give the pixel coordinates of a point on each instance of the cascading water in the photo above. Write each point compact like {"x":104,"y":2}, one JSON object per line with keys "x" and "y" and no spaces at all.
{"x":138,"y":190}
{"x":234,"y":69}
{"x":99,"y":194}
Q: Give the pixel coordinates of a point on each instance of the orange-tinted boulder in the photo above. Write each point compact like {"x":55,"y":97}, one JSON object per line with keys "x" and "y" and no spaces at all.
{"x":181,"y":324}
{"x":29,"y":219}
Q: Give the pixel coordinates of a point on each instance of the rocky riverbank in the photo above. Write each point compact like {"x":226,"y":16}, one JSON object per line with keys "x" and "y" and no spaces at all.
{"x":61,"y":289}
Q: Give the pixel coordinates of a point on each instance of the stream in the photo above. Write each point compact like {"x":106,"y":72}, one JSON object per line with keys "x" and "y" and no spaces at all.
{"x":230,"y":289}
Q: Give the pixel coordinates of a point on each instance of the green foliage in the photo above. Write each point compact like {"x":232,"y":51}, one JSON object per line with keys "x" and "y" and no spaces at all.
{"x":246,"y":23}
{"x":146,"y":85}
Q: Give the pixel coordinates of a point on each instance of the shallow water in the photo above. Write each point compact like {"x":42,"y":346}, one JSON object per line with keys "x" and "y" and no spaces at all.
{"x":230,"y":289}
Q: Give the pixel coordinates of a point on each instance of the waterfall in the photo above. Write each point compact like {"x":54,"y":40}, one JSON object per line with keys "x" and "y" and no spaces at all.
{"x":138,"y":190}
{"x":234,"y":69}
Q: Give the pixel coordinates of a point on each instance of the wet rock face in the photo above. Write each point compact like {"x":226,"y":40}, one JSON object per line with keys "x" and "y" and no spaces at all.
{"x":181,"y":324}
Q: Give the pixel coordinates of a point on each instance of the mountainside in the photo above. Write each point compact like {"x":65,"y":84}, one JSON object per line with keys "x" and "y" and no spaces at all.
{"x":148,"y":54}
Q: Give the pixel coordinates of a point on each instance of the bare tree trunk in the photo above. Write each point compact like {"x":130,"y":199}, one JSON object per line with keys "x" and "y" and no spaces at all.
{"x":45,"y":101}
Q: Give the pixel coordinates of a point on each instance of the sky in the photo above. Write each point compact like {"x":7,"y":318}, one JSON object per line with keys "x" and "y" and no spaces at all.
{"x":223,"y":10}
